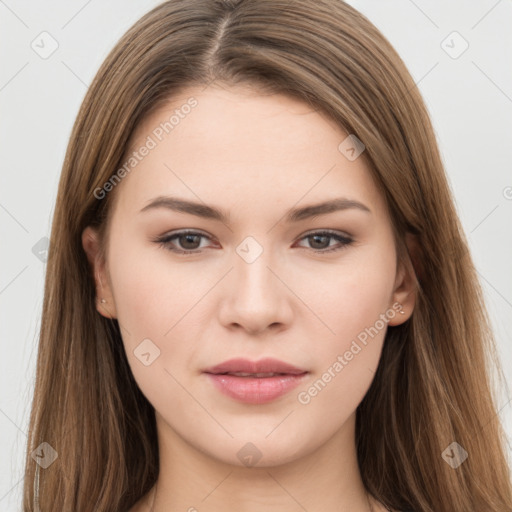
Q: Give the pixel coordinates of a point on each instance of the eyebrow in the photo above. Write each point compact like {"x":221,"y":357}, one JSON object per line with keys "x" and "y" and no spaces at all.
{"x":293,"y":215}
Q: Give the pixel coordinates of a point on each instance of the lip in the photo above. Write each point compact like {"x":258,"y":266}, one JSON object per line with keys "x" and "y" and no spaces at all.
{"x":267,"y":365}
{"x":255,"y":390}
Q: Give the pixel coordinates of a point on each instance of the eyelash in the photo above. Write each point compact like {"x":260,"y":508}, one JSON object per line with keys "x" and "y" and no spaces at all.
{"x":164,"y":241}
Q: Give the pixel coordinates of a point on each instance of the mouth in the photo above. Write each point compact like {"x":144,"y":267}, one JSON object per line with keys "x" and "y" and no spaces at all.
{"x":253,"y":375}
{"x":256,"y":382}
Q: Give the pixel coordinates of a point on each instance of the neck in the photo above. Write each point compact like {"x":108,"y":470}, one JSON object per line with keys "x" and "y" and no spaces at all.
{"x":326,"y":479}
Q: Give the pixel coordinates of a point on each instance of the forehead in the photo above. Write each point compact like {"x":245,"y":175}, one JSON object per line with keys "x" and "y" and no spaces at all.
{"x":238,"y":144}
{"x":242,"y":114}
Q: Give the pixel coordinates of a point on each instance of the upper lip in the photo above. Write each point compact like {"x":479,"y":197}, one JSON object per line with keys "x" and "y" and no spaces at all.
{"x":267,"y":365}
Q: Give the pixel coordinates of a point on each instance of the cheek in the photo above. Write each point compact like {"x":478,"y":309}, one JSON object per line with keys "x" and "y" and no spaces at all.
{"x":356,"y":308}
{"x":151,"y":292}
{"x":351,"y":296}
{"x":155,"y":301}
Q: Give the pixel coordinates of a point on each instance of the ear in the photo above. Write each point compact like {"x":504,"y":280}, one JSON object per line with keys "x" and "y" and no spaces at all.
{"x":105,"y":304}
{"x":405,"y":287}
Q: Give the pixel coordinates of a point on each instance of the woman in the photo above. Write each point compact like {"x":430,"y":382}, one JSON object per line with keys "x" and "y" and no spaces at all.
{"x":259,"y":295}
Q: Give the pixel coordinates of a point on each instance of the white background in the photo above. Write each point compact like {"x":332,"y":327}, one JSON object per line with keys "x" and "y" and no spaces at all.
{"x":469,"y":99}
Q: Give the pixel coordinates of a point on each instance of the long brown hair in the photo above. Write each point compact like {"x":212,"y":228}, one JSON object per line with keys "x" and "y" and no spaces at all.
{"x":434,"y":383}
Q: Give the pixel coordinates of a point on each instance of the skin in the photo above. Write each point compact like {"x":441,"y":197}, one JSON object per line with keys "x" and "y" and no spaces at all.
{"x":255,"y":156}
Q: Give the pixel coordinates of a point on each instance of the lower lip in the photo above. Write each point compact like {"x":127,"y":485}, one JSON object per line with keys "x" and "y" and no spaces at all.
{"x":254,"y":390}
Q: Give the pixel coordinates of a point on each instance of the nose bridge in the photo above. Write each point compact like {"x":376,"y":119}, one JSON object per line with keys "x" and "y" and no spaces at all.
{"x":252,"y":270}
{"x":255,"y":297}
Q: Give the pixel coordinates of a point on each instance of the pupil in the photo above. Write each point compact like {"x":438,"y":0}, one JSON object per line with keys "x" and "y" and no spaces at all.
{"x":187,"y":239}
{"x":316,"y":237}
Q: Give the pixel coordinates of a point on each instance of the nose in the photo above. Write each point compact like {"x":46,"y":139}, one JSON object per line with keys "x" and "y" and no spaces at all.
{"x":255,"y":297}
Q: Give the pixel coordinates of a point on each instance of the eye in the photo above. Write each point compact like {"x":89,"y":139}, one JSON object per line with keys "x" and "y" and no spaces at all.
{"x":188,"y":241}
{"x":320,"y":238}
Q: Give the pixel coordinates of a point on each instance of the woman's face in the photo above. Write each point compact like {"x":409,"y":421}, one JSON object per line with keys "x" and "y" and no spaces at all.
{"x":262,"y":279}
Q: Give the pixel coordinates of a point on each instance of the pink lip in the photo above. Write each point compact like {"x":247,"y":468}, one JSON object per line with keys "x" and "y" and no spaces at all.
{"x":255,"y":390}
{"x":267,"y":365}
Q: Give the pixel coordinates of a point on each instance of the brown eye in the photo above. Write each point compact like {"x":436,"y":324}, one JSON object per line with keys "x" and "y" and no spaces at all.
{"x":183,"y":242}
{"x":189,"y":241}
{"x":320,"y":241}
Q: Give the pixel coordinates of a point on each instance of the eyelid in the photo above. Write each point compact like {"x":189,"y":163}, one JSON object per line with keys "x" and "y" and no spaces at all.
{"x":325,"y":231}
{"x":164,"y":240}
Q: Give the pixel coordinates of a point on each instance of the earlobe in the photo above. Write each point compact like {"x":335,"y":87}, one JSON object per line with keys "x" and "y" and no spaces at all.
{"x":104,"y":300}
